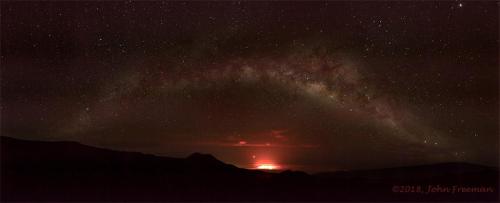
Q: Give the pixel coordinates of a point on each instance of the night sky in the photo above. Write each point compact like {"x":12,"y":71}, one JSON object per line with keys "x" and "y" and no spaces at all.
{"x":308,"y":86}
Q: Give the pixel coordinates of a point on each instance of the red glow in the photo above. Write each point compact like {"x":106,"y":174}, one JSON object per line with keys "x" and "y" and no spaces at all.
{"x":267,"y":167}
{"x":266,"y":164}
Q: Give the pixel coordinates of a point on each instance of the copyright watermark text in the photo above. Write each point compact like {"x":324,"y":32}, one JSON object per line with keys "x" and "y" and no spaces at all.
{"x":452,"y":189}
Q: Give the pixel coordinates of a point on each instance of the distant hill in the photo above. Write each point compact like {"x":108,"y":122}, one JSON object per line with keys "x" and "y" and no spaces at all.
{"x":69,"y":171}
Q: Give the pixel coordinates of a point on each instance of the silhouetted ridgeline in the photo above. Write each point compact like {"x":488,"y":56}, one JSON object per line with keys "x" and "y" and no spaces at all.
{"x":62,"y":171}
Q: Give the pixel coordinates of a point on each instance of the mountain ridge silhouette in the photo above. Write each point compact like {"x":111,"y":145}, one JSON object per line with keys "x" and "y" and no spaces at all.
{"x":68,"y":171}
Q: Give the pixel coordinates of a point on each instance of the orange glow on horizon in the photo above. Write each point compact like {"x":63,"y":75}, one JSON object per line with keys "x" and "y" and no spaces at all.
{"x":267,"y":166}
{"x":265,"y":161}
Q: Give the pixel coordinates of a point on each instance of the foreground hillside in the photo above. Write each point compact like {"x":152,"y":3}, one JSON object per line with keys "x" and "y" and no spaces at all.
{"x":63,"y":171}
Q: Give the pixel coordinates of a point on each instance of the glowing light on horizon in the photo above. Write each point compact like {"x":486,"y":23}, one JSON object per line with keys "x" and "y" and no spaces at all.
{"x":267,"y":167}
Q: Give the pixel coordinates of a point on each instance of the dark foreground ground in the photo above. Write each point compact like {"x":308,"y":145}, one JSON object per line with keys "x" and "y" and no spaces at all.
{"x":68,"y":171}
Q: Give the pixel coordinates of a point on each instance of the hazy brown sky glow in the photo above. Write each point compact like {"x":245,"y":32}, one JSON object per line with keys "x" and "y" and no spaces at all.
{"x":310,"y":86}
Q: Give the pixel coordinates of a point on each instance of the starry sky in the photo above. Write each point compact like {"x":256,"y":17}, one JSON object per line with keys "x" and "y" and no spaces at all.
{"x":308,"y":86}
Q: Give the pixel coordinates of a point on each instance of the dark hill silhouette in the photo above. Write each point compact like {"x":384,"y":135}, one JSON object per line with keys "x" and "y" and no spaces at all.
{"x":69,"y":171}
